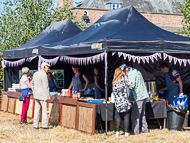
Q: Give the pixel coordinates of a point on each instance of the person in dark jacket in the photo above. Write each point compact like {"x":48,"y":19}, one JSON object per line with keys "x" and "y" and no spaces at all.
{"x":98,"y":83}
{"x":52,"y":83}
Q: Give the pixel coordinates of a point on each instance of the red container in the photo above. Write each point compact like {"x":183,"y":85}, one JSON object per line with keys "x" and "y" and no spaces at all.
{"x":69,"y":92}
{"x":75,"y":96}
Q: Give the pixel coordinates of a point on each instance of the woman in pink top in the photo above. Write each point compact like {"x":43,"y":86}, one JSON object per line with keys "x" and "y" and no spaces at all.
{"x":25,"y":89}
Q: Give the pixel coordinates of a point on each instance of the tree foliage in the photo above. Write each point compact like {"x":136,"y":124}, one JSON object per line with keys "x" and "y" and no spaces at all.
{"x":66,"y":12}
{"x":22,"y":20}
{"x":185,"y":10}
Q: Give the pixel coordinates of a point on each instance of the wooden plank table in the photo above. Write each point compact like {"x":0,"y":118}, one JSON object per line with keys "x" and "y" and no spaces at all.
{"x":63,"y":111}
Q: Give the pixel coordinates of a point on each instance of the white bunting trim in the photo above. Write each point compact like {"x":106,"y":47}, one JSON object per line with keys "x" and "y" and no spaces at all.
{"x":175,"y":60}
{"x":140,"y":58}
{"x":83,"y":60}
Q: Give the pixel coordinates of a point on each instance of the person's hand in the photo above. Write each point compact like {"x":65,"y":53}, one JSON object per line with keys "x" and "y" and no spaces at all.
{"x":181,"y":94}
{"x":103,"y":90}
{"x":29,"y":78}
{"x":81,"y":90}
{"x":162,"y":90}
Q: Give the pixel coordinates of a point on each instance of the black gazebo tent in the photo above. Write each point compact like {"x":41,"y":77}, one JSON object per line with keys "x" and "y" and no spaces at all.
{"x":56,"y":32}
{"x":123,"y":30}
{"x":126,"y":30}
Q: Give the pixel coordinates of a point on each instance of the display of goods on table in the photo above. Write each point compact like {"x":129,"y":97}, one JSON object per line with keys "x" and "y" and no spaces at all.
{"x":95,"y":101}
{"x":53,"y":93}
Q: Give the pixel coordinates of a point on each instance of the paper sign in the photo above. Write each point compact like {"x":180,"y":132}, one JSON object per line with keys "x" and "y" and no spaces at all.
{"x":35,"y":51}
{"x":96,"y":46}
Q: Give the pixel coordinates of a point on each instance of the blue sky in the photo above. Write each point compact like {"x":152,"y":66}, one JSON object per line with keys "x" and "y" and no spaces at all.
{"x":1,"y":5}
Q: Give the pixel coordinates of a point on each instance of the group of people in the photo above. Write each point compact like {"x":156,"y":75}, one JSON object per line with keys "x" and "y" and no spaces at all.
{"x":40,"y":88}
{"x":126,"y":80}
{"x":77,"y":84}
{"x":43,"y":83}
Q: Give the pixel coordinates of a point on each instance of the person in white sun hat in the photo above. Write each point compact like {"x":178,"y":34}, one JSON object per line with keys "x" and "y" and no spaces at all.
{"x":41,"y":94}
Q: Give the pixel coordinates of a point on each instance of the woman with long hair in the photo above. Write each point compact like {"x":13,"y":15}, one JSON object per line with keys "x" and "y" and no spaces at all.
{"x":76,"y":83}
{"x":122,"y":103}
{"x":140,"y":95}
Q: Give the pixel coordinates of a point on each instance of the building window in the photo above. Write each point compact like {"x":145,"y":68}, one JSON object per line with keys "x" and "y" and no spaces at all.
{"x":115,"y":6}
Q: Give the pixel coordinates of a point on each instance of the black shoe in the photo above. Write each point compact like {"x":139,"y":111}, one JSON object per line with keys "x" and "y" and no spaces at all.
{"x":36,"y":128}
{"x":26,"y":122}
{"x":45,"y":128}
{"x":22,"y":123}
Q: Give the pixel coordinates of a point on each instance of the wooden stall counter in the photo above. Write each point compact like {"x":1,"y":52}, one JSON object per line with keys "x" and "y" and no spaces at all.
{"x":4,"y":101}
{"x":63,"y":111}
{"x":14,"y":106}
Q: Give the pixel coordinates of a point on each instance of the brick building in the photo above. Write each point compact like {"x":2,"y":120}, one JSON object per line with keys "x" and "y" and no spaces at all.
{"x":163,"y":13}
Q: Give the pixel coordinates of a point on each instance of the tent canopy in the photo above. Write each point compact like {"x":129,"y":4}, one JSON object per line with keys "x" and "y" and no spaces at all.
{"x":123,"y":30}
{"x":57,"y":31}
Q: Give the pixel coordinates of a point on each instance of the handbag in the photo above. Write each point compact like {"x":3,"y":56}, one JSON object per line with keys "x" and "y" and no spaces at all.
{"x":130,"y":95}
{"x":21,"y":98}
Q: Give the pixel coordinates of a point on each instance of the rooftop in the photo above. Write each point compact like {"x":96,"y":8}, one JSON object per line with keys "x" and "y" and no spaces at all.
{"x":158,"y":6}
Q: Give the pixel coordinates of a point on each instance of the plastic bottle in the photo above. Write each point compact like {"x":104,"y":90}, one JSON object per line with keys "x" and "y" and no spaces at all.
{"x":78,"y":94}
{"x":112,"y":98}
{"x":69,"y":92}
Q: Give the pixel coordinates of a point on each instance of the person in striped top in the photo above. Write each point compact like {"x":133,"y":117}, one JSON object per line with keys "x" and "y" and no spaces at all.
{"x":174,"y":85}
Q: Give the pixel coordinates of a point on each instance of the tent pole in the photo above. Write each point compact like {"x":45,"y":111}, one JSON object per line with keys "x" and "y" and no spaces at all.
{"x":106,"y":88}
{"x":4,"y":87}
{"x":39,"y":63}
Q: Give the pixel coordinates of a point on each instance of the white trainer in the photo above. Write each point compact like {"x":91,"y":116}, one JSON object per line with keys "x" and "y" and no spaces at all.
{"x":117,"y":134}
{"x":126,"y":134}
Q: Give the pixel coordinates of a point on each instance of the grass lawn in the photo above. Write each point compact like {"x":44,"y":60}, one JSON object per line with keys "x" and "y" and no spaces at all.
{"x":12,"y":131}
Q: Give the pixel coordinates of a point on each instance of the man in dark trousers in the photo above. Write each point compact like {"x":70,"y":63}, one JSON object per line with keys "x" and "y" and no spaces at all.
{"x":174,"y":85}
